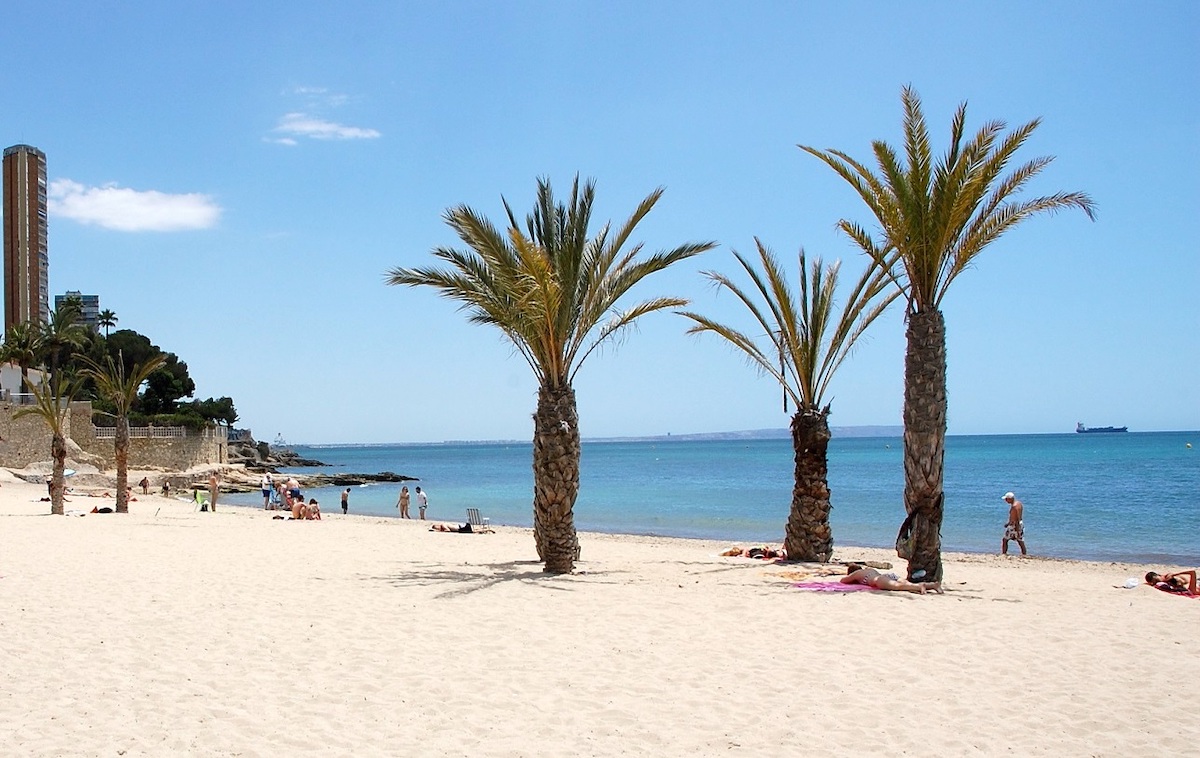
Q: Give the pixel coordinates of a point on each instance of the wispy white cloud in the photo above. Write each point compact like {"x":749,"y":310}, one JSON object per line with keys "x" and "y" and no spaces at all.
{"x":308,"y":118}
{"x":128,"y":210}
{"x":304,"y":125}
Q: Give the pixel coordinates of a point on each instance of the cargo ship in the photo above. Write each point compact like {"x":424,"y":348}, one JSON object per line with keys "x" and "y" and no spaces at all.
{"x":1081,"y":429}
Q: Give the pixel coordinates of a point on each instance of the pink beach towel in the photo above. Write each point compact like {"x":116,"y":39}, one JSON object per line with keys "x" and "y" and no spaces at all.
{"x":830,"y":587}
{"x":1180,"y":594}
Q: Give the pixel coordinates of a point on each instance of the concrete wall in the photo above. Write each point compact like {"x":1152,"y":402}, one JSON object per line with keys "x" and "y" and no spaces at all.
{"x":27,"y":439}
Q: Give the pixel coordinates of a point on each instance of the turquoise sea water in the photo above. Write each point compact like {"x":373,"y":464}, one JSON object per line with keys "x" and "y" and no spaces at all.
{"x":1127,"y":497}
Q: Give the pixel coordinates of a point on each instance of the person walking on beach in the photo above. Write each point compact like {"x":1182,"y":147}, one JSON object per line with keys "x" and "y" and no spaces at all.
{"x":402,"y":503}
{"x":345,"y":501}
{"x":1015,"y":528}
{"x":214,"y":486}
{"x":422,"y":502}
{"x":267,"y":487}
{"x":145,"y":485}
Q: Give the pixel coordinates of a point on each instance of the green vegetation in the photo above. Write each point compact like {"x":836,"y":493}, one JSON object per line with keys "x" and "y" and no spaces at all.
{"x":119,"y":387}
{"x":553,"y":292}
{"x":67,"y":349}
{"x":805,"y":343}
{"x":52,"y":403}
{"x":935,"y":218}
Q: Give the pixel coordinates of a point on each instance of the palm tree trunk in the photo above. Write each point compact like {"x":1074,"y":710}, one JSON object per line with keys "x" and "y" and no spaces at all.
{"x":925,"y":439}
{"x":58,"y":451}
{"x":809,"y":536}
{"x":556,"y":478}
{"x":121,"y":453}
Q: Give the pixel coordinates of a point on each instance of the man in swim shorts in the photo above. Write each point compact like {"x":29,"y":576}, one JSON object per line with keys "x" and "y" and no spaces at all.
{"x":1015,"y":528}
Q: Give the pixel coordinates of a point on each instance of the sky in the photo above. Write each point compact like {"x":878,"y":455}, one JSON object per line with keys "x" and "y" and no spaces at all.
{"x":234,"y":180}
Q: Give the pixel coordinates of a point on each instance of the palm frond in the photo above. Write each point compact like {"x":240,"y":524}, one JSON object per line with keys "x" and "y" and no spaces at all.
{"x":806,"y":335}
{"x":939,"y":215}
{"x":550,"y":288}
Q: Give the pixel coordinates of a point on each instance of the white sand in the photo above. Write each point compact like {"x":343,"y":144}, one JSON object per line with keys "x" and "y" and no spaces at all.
{"x":173,"y":632}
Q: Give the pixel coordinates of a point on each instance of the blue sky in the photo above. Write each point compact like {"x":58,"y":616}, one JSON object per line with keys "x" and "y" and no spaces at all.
{"x":234,"y":180}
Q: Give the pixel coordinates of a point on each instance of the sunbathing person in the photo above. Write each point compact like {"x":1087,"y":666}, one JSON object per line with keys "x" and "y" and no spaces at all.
{"x":1173,"y":582}
{"x":763,"y":553}
{"x":462,"y":528}
{"x":313,"y":511}
{"x":856,"y":574}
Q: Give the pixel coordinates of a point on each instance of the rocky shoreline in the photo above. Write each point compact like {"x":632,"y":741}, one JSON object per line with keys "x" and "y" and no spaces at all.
{"x":247,"y":462}
{"x":257,"y":458}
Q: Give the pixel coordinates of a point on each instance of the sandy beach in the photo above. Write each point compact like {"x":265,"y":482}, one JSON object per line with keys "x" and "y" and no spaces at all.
{"x":169,"y":631}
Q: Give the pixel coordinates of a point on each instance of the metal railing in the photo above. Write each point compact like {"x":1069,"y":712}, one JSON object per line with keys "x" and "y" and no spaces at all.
{"x":162,"y":432}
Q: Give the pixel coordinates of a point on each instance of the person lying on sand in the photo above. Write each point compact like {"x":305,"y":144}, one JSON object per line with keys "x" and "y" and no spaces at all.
{"x":1173,"y":582}
{"x":762,"y":553}
{"x":461,"y":528}
{"x":856,"y":574}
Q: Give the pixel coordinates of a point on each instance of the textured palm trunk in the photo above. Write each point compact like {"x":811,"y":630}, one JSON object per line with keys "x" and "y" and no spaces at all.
{"x":809,"y":536}
{"x":58,"y":451}
{"x":121,"y":453}
{"x":925,"y":439}
{"x":556,"y":478}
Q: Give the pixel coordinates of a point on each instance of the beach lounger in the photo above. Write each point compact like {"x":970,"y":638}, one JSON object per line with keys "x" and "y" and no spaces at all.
{"x":477,"y":522}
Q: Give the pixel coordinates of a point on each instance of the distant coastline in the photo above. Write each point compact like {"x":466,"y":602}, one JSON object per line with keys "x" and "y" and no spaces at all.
{"x":781,"y":433}
{"x":758,"y":434}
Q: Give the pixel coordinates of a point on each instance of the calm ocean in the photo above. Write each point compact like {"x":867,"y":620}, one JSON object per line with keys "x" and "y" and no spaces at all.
{"x":1124,"y":497}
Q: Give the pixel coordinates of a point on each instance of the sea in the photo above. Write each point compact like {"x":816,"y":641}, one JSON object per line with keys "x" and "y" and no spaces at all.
{"x":1132,"y":497}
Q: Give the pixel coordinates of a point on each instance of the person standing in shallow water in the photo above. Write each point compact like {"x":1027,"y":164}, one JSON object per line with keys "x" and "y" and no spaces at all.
{"x":402,"y":503}
{"x":1015,"y":528}
{"x":345,"y":501}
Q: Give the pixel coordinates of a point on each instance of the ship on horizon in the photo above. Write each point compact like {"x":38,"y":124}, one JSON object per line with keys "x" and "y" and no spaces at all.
{"x":1081,"y":429}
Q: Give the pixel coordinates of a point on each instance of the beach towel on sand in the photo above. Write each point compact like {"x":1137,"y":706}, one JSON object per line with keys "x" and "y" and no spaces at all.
{"x":1173,"y":592}
{"x":831,"y":587}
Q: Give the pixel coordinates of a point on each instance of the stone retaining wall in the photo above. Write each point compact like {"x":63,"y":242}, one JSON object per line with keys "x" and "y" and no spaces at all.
{"x":26,"y":440}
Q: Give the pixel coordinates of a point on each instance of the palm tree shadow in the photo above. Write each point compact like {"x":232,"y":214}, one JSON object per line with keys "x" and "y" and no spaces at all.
{"x":481,"y":576}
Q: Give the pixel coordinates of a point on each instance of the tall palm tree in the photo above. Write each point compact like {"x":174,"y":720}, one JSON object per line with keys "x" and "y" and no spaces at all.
{"x":805,"y":343}
{"x":938,"y":217}
{"x":553,"y":292}
{"x":120,"y":387}
{"x":61,"y":332}
{"x":23,"y":346}
{"x":52,"y":402}
{"x":107,"y":319}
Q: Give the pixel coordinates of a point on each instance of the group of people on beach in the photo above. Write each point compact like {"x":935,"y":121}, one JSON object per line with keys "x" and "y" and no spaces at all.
{"x":286,"y":495}
{"x":403,"y":502}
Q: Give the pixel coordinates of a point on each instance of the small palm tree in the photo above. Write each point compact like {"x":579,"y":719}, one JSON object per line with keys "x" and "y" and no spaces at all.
{"x":22,"y":346}
{"x":61,"y":332}
{"x":553,"y":292}
{"x":805,"y":343}
{"x":107,"y":319}
{"x":937,"y":216}
{"x":52,"y":402}
{"x":120,"y":387}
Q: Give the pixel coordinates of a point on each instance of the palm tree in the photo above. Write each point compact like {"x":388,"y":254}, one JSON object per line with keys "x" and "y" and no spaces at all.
{"x":52,"y":402}
{"x":806,"y":343}
{"x":120,"y":387}
{"x":937,"y":217}
{"x":62,"y":331}
{"x":553,"y":292}
{"x":107,"y":319}
{"x":22,"y":346}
